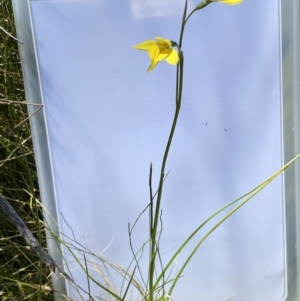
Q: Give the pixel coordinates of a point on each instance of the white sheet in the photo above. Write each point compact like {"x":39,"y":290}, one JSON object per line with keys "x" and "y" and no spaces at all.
{"x":108,"y":119}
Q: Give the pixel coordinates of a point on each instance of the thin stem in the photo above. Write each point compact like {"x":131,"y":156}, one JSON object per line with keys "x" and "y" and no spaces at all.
{"x":150,"y":213}
{"x":158,"y":254}
{"x":134,"y":253}
{"x":151,"y":202}
{"x":10,"y":35}
{"x":157,"y":209}
{"x":198,"y":7}
{"x":129,"y":283}
{"x":182,"y":25}
{"x":87,"y":275}
{"x":179,"y":85}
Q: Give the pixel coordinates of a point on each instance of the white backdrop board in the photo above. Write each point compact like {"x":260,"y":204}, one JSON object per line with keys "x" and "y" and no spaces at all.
{"x":106,"y":120}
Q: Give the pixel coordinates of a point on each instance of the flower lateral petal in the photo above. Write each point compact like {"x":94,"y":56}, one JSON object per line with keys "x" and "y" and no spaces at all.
{"x":173,"y":58}
{"x":153,"y":56}
{"x":145,"y":45}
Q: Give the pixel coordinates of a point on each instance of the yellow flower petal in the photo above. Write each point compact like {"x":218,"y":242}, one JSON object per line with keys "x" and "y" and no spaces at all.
{"x":145,"y":45}
{"x":156,"y":56}
{"x":159,"y":50}
{"x":231,"y":2}
{"x":153,"y":55}
{"x":173,"y":58}
{"x":163,"y":42}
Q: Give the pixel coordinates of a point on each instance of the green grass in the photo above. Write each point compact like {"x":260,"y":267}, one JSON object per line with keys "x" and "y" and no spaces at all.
{"x":21,"y":274}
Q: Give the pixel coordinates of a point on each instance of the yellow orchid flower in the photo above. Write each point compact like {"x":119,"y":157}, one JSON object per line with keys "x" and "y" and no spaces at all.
{"x":230,"y":2}
{"x":159,"y":50}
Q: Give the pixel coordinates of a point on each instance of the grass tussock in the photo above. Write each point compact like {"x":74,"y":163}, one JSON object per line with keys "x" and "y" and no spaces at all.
{"x":22,"y":276}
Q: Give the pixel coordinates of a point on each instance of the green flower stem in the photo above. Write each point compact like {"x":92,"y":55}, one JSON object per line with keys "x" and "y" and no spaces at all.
{"x":198,"y":7}
{"x":182,"y":26}
{"x":153,"y":242}
{"x":154,"y":223}
{"x":153,"y":231}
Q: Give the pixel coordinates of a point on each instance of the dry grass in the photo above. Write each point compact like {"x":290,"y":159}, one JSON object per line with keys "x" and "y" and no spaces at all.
{"x":21,"y":275}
